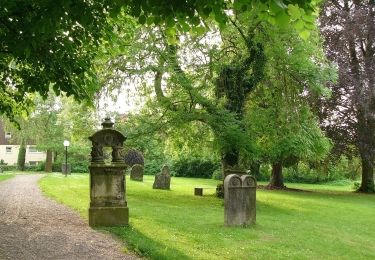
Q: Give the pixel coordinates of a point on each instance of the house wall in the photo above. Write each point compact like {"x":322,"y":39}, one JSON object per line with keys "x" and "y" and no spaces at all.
{"x":11,"y":157}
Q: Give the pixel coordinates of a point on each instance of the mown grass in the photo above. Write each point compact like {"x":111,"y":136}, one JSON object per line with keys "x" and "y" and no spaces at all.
{"x":326,"y":222}
{"x":6,"y":176}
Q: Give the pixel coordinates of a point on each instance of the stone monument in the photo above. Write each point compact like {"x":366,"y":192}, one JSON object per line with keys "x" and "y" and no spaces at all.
{"x":136,"y":172}
{"x":239,"y":200}
{"x":108,"y":205}
{"x":163,"y":179}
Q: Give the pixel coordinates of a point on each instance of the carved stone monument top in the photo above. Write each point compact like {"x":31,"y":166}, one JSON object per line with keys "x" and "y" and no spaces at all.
{"x":107,"y":137}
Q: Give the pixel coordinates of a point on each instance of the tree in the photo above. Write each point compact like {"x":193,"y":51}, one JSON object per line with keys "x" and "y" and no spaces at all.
{"x":349,"y":31}
{"x":52,"y":43}
{"x":21,"y":157}
{"x":279,"y":117}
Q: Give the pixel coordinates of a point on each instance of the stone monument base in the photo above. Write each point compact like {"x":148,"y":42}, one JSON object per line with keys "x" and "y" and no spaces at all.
{"x":108,"y":216}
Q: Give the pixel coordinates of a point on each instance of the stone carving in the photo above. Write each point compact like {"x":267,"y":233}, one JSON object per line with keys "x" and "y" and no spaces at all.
{"x":117,"y":154}
{"x":239,"y":200}
{"x":136,"y":172}
{"x":97,"y":153}
{"x":108,"y":206}
{"x":163,"y":179}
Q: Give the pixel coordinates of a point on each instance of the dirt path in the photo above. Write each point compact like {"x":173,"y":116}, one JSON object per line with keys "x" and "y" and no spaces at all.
{"x":35,"y":227}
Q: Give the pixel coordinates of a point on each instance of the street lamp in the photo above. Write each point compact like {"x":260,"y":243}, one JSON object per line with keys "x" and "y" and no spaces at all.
{"x":66,"y":144}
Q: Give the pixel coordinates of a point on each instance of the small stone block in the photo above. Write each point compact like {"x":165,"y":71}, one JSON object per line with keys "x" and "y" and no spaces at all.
{"x":108,"y":216}
{"x":198,"y":191}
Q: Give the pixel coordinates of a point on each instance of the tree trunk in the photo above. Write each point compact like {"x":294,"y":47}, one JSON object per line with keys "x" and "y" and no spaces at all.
{"x":367,"y":183}
{"x":48,"y":165}
{"x":255,"y":169}
{"x":276,"y":180}
{"x":229,"y":160}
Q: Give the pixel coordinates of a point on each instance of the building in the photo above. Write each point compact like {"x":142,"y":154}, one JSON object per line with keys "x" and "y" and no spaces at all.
{"x":9,"y":150}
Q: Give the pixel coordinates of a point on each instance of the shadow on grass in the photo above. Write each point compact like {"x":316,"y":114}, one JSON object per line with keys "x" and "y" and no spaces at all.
{"x":144,"y":245}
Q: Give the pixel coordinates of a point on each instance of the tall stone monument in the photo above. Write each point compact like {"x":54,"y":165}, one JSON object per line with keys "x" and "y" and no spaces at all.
{"x":108,"y":205}
{"x":239,"y":200}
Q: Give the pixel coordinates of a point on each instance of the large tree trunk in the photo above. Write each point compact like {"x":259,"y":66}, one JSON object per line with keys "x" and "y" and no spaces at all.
{"x":367,"y":126}
{"x":277,"y":180}
{"x":48,"y":165}
{"x":367,"y":184}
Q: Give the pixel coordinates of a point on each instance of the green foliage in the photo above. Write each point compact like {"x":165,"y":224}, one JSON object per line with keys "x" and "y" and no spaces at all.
{"x":176,"y":224}
{"x":47,"y":44}
{"x":194,"y":167}
{"x":279,"y":118}
{"x":21,"y":157}
{"x":142,"y":136}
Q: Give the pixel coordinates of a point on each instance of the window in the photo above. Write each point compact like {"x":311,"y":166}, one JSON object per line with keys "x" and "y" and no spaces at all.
{"x":8,"y":149}
{"x":8,"y":135}
{"x":32,"y":149}
{"x":33,"y":163}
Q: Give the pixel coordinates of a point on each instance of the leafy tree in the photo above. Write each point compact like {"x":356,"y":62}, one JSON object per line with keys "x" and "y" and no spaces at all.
{"x":349,"y":31}
{"x":279,"y":116}
{"x":21,"y":157}
{"x":52,"y":43}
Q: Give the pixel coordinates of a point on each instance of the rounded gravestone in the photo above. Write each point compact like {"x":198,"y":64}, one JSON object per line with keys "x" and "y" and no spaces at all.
{"x":136,"y":172}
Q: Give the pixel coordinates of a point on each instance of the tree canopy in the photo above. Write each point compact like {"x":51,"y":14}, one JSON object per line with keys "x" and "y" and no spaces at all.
{"x":51,"y":43}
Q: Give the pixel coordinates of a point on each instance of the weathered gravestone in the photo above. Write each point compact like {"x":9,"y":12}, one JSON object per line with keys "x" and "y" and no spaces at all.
{"x":163,"y":179}
{"x":108,"y":205}
{"x":136,"y":172}
{"x":239,"y":200}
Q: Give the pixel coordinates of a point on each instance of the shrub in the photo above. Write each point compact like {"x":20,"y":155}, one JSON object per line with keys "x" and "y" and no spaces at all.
{"x":134,"y":157}
{"x":217,"y":174}
{"x":196,"y":168}
{"x":21,"y":157}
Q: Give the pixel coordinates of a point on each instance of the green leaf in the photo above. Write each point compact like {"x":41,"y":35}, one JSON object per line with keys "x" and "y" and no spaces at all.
{"x":274,"y":7}
{"x":299,"y":25}
{"x":200,"y":30}
{"x":142,"y":19}
{"x":282,"y":19}
{"x":294,"y":12}
{"x":305,"y":34}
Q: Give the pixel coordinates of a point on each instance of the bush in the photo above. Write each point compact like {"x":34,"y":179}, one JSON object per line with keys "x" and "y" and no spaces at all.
{"x":133,"y":157}
{"x":217,"y":174}
{"x":196,"y":168}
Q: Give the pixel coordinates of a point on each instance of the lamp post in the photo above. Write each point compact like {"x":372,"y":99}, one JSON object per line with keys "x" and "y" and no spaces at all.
{"x":66,"y":144}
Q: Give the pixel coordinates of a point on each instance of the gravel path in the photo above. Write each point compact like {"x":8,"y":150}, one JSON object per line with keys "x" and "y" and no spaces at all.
{"x":35,"y":227}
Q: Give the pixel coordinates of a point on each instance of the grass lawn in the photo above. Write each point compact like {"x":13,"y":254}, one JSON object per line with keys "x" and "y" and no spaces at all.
{"x":5,"y":176}
{"x":327,"y":222}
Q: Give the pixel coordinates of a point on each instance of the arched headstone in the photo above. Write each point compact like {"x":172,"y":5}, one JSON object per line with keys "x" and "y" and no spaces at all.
{"x":108,"y":206}
{"x":239,"y":200}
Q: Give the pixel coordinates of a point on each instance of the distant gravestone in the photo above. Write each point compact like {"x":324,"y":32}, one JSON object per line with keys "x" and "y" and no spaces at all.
{"x":163,"y":179}
{"x":239,"y":200}
{"x":108,"y":206}
{"x":66,"y":170}
{"x":136,"y":172}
